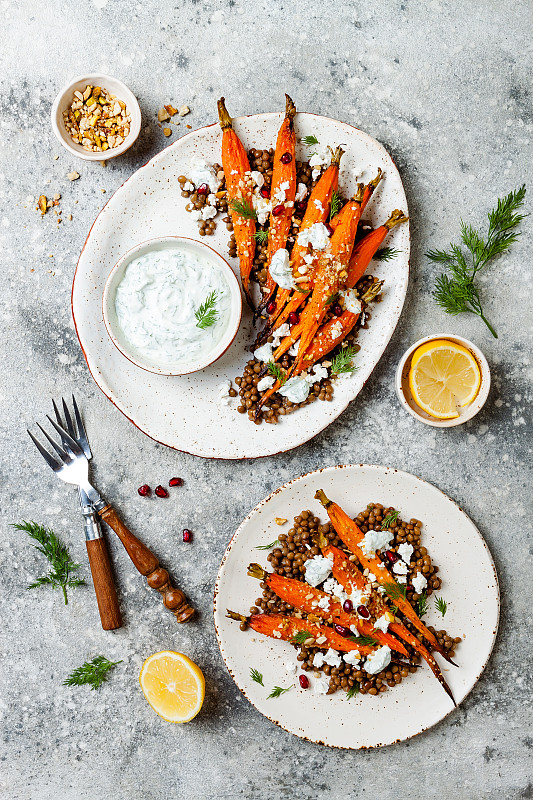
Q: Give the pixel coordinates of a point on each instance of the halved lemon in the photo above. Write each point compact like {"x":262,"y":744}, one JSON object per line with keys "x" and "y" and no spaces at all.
{"x":173,"y":685}
{"x":443,"y":376}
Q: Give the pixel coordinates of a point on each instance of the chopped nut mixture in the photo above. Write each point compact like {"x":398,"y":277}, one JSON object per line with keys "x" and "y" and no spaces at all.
{"x":97,"y":119}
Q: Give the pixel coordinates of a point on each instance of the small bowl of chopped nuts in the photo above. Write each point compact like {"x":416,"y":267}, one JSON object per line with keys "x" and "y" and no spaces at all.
{"x":96,"y":117}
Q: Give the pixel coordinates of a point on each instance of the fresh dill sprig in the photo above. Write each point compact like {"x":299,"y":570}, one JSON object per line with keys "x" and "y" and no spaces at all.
{"x":395,"y":590}
{"x":301,"y":637}
{"x":353,"y":690}
{"x":261,"y":237}
{"x":93,"y":672}
{"x":277,"y":691}
{"x":422,"y":605}
{"x":335,"y":205}
{"x":256,"y":676}
{"x":310,"y":141}
{"x":386,"y":254}
{"x":59,"y":577}
{"x":207,"y":314}
{"x":268,"y":546}
{"x":343,"y":361}
{"x":389,"y":519}
{"x":331,"y":299}
{"x":456,"y":292}
{"x":277,"y":372}
{"x":243,"y":208}
{"x":364,"y":641}
{"x":441,"y":605}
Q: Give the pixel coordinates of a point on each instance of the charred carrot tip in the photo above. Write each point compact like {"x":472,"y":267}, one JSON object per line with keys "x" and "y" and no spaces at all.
{"x":358,"y":196}
{"x":223,"y":116}
{"x":375,"y":181}
{"x":234,"y":615}
{"x":322,"y":541}
{"x":396,"y":218}
{"x":290,"y":108}
{"x":373,"y":290}
{"x":321,"y":496}
{"x":257,"y":571}
{"x":336,"y":155}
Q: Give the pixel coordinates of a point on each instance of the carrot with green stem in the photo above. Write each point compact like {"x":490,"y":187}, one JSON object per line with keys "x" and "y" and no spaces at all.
{"x":352,"y":536}
{"x":239,"y":190}
{"x":370,"y":188}
{"x":307,"y":598}
{"x":365,"y":250}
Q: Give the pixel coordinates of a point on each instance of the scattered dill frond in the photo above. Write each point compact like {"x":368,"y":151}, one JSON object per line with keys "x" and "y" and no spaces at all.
{"x":277,"y":691}
{"x":456,"y":292}
{"x":256,"y":676}
{"x":310,"y":141}
{"x":59,"y":577}
{"x":389,"y":519}
{"x":301,"y":636}
{"x":277,"y":372}
{"x":207,"y":314}
{"x":441,"y":605}
{"x":331,"y":299}
{"x":93,"y":673}
{"x":395,"y":590}
{"x":422,"y":605}
{"x":335,"y":205}
{"x":261,"y":237}
{"x":352,"y":691}
{"x":343,"y":361}
{"x":386,"y":254}
{"x":364,"y":641}
{"x":268,"y":546}
{"x":243,"y":208}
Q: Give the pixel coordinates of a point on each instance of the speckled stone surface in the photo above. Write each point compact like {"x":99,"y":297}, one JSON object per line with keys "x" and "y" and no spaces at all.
{"x":446,"y":87}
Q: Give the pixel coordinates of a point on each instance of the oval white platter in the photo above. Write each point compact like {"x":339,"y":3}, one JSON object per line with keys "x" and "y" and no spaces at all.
{"x":185,"y":412}
{"x":469,"y":586}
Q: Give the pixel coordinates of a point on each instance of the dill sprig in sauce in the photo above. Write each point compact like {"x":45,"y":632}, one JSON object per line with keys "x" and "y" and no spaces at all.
{"x":207,"y":313}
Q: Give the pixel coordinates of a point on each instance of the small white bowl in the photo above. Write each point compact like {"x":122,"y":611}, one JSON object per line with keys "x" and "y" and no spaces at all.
{"x":406,"y":399}
{"x":110,"y":315}
{"x":113,"y":86}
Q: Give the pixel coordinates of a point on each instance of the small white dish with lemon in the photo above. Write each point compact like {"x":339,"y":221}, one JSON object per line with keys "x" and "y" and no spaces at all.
{"x":443,"y":380}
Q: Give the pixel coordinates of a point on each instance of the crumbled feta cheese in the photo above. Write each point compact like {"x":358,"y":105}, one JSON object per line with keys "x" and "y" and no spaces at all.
{"x":336,"y":330}
{"x":188,"y":187}
{"x":293,"y":350}
{"x":318,"y":660}
{"x":401,"y":578}
{"x":351,"y":301}
{"x":319,"y":205}
{"x":202,"y":172}
{"x":405,"y":551}
{"x":319,"y":373}
{"x":257,"y":178}
{"x":262,"y":207}
{"x":196,"y":215}
{"x":382,"y":623}
{"x":323,"y":603}
{"x":208,"y":212}
{"x":265,"y":383}
{"x":319,"y":158}
{"x":375,"y":540}
{"x":291,"y":667}
{"x":309,"y":258}
{"x":352,"y":658}
{"x":222,"y":392}
{"x":378,"y":661}
{"x":332,"y":658}
{"x":283,"y":330}
{"x":419,"y":583}
{"x":317,"y":570}
{"x":301,"y":192}
{"x":371,"y":577}
{"x":264,"y":353}
{"x":316,"y":235}
{"x":400,"y":568}
{"x":281,"y":270}
{"x":331,"y":586}
{"x":295,"y":389}
{"x":321,"y":685}
{"x":212,"y":199}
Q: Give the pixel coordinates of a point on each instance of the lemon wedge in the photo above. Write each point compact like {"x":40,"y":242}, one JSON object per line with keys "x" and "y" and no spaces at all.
{"x":173,"y":685}
{"x":443,"y":376}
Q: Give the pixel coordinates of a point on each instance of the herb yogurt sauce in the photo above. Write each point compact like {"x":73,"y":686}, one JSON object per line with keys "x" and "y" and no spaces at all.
{"x":156,"y":304}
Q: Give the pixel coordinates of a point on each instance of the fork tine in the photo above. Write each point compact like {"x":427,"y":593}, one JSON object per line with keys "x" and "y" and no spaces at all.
{"x":61,"y":453}
{"x":82,"y":435}
{"x":45,"y":454}
{"x":72,"y":443}
{"x":68,"y":420}
{"x":59,"y":420}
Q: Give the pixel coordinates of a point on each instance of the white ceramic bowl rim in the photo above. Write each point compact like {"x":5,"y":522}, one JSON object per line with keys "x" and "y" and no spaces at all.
{"x":115,"y":276}
{"x":63,"y":100}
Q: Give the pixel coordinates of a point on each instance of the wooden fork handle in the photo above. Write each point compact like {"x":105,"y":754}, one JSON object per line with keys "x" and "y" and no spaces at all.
{"x":104,"y":584}
{"x":148,"y":565}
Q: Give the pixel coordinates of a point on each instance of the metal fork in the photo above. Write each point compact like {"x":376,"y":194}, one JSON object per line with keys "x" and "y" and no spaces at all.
{"x":71,"y":465}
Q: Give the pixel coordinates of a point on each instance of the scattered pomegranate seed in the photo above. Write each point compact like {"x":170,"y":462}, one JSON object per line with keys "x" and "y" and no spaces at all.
{"x":277,"y":210}
{"x":329,"y":229}
{"x":347,"y":606}
{"x":304,"y":681}
{"x":187,"y":535}
{"x":265,"y":192}
{"x":271,"y":307}
{"x":342,"y":631}
{"x":337,"y":309}
{"x":301,"y":205}
{"x":175,"y":482}
{"x":203,"y":189}
{"x":161,"y":491}
{"x":363,"y":612}
{"x":294,"y":318}
{"x":286,"y":158}
{"x":393,"y":558}
{"x":409,"y":588}
{"x":144,"y":490}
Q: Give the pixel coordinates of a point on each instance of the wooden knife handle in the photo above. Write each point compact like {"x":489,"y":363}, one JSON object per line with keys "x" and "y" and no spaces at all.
{"x":148,"y":565}
{"x":104,"y":584}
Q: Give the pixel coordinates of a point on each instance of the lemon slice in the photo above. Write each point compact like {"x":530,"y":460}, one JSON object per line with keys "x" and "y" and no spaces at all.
{"x":443,"y":376}
{"x":173,"y":685}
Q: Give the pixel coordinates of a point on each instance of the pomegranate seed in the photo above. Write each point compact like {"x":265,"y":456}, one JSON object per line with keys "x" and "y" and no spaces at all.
{"x":337,"y":309}
{"x":393,"y":558}
{"x":187,"y":535}
{"x":203,"y":189}
{"x":304,"y":681}
{"x":161,"y":491}
{"x":347,"y":606}
{"x":271,"y":307}
{"x":329,"y":229}
{"x":409,"y":588}
{"x":301,"y":205}
{"x":175,"y":482}
{"x":277,"y":210}
{"x":294,"y":319}
{"x":363,"y":612}
{"x":265,"y":193}
{"x":286,"y":158}
{"x":342,"y":631}
{"x":144,"y":490}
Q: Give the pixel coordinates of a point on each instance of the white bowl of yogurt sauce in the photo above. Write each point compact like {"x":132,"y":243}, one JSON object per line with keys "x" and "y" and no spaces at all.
{"x":172,"y":305}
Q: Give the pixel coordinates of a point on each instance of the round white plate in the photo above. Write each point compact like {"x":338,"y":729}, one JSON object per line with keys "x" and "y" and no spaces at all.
{"x":185,"y":412}
{"x":469,"y":586}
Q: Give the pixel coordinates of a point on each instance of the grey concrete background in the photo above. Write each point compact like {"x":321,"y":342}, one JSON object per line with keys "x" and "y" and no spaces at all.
{"x":447,"y":88}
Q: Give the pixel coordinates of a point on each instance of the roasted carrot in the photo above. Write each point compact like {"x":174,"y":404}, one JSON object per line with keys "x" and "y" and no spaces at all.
{"x":352,"y":536}
{"x":306,"y":598}
{"x":280,"y":626}
{"x":365,"y":250}
{"x":240,"y":193}
{"x":369,"y":191}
